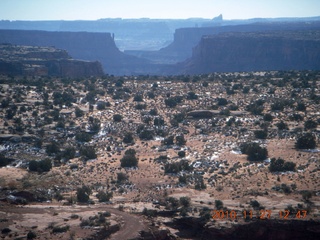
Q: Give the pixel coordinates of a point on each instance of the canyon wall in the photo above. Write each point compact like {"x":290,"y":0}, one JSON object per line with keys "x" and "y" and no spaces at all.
{"x":44,"y":61}
{"x":185,"y":39}
{"x":279,"y":50}
{"x":80,"y":45}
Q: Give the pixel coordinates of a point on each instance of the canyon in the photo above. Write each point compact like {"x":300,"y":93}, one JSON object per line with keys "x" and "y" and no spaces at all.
{"x":141,"y":57}
{"x":266,"y":51}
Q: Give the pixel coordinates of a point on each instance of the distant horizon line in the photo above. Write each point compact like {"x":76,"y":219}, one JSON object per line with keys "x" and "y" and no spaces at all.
{"x":158,"y":19}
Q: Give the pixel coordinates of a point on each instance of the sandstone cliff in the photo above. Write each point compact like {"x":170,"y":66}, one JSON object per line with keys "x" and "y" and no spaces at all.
{"x":185,"y":39}
{"x":44,"y":61}
{"x":80,"y":45}
{"x":280,"y":50}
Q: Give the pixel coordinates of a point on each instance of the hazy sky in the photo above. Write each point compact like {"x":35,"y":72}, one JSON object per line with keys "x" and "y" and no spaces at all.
{"x":96,"y":9}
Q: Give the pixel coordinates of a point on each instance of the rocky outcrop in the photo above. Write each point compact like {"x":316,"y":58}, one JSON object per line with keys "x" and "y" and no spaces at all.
{"x":185,"y":39}
{"x":231,"y":52}
{"x":44,"y":61}
{"x":80,"y":45}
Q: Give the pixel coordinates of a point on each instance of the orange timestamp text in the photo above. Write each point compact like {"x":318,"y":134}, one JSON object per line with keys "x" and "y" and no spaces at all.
{"x":261,"y":214}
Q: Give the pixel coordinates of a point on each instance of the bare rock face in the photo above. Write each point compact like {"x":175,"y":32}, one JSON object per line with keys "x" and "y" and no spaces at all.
{"x":232,"y":52}
{"x":185,"y":39}
{"x":44,"y":61}
{"x":86,"y":46}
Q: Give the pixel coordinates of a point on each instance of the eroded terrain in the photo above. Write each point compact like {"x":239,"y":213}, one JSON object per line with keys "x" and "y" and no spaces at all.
{"x":184,"y":138}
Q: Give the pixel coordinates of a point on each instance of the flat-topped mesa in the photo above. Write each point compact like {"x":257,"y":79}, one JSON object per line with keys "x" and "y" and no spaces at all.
{"x":185,"y":39}
{"x":266,"y":51}
{"x":87,"y":46}
{"x":44,"y":61}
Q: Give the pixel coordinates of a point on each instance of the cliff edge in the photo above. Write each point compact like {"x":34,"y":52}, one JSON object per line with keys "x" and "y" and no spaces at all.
{"x":44,"y":61}
{"x":80,"y":45}
{"x":259,"y":51}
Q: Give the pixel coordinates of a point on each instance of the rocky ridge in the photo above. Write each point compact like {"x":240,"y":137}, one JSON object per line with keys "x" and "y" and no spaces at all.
{"x":80,"y":45}
{"x":264,"y":51}
{"x":44,"y":61}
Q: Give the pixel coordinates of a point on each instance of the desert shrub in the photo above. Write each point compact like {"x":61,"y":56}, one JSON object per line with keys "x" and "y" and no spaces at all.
{"x":60,"y":229}
{"x":129,"y":159}
{"x":64,"y":98}
{"x":146,"y":134}
{"x":128,"y":138}
{"x":38,"y":143}
{"x":205,"y":214}
{"x":172,"y":203}
{"x":218,"y":204}
{"x":282,"y":125}
{"x":179,"y":117}
{"x":306,"y":141}
{"x":310,"y":124}
{"x":301,"y":107}
{"x":74,"y":216}
{"x":33,"y":166}
{"x":52,"y":148}
{"x":268,"y":117}
{"x":296,"y":117}
{"x":31,"y":235}
{"x":256,"y":108}
{"x":255,"y":204}
{"x":158,"y":121}
{"x":185,"y":202}
{"x":153,"y":112}
{"x":222,"y":101}
{"x":117,"y":118}
{"x":168,"y":141}
{"x":180,"y":140}
{"x":285,"y":188}
{"x":181,"y":154}
{"x":279,"y":165}
{"x":94,"y":124}
{"x":170,"y":102}
{"x":254,"y":151}
{"x":104,"y":196}
{"x":183,"y":179}
{"x":83,"y":137}
{"x":261,"y":134}
{"x":306,"y":195}
{"x":205,"y":84}
{"x":140,"y":106}
{"x":138,"y":98}
{"x":83,"y":194}
{"x":122,"y":177}
{"x":60,"y":124}
{"x":6,"y":230}
{"x":176,"y":167}
{"x":280,"y":104}
{"x":4,"y":161}
{"x":199,"y":183}
{"x":192,"y":96}
{"x":78,"y":112}
{"x":233,"y":107}
{"x":88,"y":152}
{"x":69,"y":153}
{"x":85,"y":223}
{"x":149,"y":212}
{"x":58,"y":196}
{"x":101,"y":106}
{"x":40,"y":166}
